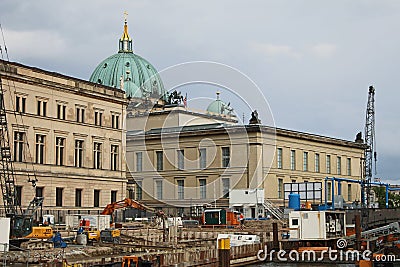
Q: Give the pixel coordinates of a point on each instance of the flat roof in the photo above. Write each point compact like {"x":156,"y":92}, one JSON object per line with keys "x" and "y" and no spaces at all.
{"x":222,"y":128}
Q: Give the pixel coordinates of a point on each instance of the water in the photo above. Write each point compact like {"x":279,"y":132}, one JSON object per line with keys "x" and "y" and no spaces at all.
{"x":271,"y":264}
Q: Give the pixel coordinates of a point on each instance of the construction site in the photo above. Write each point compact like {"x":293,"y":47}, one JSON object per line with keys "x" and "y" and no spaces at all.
{"x":108,"y":206}
{"x":219,"y":237}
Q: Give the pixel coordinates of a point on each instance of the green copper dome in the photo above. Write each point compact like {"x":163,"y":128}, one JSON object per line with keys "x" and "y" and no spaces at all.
{"x":219,"y":107}
{"x":129,"y":72}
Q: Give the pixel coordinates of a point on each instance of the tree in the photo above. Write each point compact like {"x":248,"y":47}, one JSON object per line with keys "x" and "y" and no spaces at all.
{"x":380,"y":193}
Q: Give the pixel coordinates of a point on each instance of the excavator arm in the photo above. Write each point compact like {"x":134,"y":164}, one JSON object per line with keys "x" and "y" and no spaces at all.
{"x":128,"y":203}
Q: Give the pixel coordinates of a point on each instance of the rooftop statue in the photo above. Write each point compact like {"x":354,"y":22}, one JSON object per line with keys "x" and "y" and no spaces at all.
{"x":254,"y":118}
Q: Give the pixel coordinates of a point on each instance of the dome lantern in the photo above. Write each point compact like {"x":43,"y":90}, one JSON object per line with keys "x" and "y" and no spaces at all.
{"x":125,"y":42}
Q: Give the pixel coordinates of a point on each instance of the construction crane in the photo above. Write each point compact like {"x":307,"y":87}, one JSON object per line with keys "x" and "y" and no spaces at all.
{"x":370,"y":153}
{"x":22,"y":221}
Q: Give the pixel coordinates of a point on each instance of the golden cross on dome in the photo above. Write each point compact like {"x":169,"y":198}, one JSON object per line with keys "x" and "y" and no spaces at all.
{"x":125,"y":15}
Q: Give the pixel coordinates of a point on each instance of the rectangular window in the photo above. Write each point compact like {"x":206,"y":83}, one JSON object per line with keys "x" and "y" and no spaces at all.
{"x":97,"y":160}
{"x":329,"y":191}
{"x":159,"y":189}
{"x":203,"y":158}
{"x":131,"y":193}
{"x":41,"y":108}
{"x":226,"y":157}
{"x":139,"y":190}
{"x":203,"y":188}
{"x":39,"y":191}
{"x":19,"y":149}
{"x":279,"y":158}
{"x":60,"y":150}
{"x":181,"y":159}
{"x":114,"y":121}
{"x":293,"y":160}
{"x":78,"y":197}
{"x":18,"y":193}
{"x":59,"y":196}
{"x":113,"y":196}
{"x":98,"y":118}
{"x":349,"y":166}
{"x":305,"y":161}
{"x":280,"y":188}
{"x":328,"y":164}
{"x":61,"y":111}
{"x":78,"y":153}
{"x":20,"y":104}
{"x":349,"y":193}
{"x":181,"y":189}
{"x":114,"y":158}
{"x":96,"y":198}
{"x":139,"y":161}
{"x":80,"y":114}
{"x":317,"y":162}
{"x":44,"y":108}
{"x":40,"y":142}
{"x":339,"y":165}
{"x":160,"y":160}
{"x":226,"y":184}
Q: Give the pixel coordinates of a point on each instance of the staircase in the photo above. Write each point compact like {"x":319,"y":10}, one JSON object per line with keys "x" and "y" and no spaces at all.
{"x":274,"y":210}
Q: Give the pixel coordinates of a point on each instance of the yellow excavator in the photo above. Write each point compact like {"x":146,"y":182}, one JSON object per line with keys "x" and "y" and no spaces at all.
{"x":25,"y":234}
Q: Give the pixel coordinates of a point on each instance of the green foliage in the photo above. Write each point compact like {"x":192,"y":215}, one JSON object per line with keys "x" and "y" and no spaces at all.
{"x":380,"y":193}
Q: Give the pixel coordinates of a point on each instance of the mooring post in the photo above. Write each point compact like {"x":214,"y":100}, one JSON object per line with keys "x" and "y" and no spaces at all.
{"x":224,"y":252}
{"x":358,"y":231}
{"x":275,"y":236}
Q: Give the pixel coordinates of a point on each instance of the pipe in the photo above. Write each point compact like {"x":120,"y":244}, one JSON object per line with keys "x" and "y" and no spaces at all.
{"x":333,"y":194}
{"x":339,"y":180}
{"x":387,"y":196}
{"x":326,"y":194}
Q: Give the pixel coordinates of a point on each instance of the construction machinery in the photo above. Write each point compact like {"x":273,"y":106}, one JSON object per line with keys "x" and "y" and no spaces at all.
{"x":22,"y":227}
{"x":130,"y":203}
{"x":92,"y":235}
{"x":370,"y":153}
{"x":113,"y":235}
{"x":110,"y":236}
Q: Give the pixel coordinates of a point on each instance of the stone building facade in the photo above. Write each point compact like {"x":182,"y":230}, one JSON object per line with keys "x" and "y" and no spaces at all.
{"x":188,"y":166}
{"x":69,"y":135}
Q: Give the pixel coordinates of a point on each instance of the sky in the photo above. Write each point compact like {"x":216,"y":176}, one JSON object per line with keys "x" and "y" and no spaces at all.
{"x":313,"y":60}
